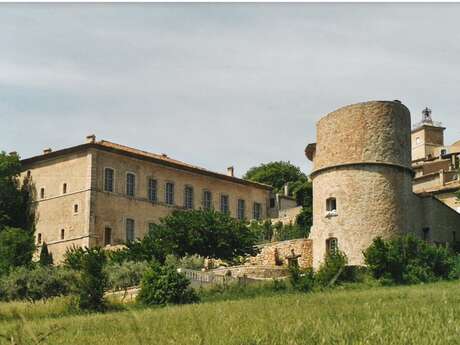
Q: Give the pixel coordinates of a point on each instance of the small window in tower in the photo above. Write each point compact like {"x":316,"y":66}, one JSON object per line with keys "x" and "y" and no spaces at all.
{"x":62,"y":234}
{"x":107,"y":236}
{"x":39,"y":238}
{"x":42,"y":193}
{"x":331,"y":207}
{"x":426,"y":234}
{"x":331,"y":246}
{"x":75,"y":208}
{"x":64,"y":188}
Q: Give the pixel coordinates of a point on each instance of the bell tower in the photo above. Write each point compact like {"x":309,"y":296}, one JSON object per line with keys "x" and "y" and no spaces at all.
{"x":427,"y":137}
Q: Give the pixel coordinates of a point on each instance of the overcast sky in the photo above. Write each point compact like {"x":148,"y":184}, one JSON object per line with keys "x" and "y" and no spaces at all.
{"x":217,"y":84}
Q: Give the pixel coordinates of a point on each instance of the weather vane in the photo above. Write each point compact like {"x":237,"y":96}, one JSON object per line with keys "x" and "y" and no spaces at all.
{"x":426,"y":115}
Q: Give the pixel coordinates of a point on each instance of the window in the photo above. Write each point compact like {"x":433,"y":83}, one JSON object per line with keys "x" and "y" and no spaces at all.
{"x":108,"y":180}
{"x":417,"y":140}
{"x":129,"y":230}
{"x":188,"y":197}
{"x":272,"y":202}
{"x":240,"y":209}
{"x":107,"y":236}
{"x":39,"y":238}
{"x":152,"y":191}
{"x":75,"y":208}
{"x":169,"y":193}
{"x":64,"y":188}
{"x":224,"y":204}
{"x":42,"y":193}
{"x":130,"y":184}
{"x":207,"y":200}
{"x":331,"y":246}
{"x":62,"y":234}
{"x":257,"y":211}
{"x":331,"y":207}
{"x":426,"y":234}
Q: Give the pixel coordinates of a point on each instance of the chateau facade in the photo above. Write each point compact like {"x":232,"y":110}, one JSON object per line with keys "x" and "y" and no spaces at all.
{"x":101,"y":194}
{"x":363,"y":182}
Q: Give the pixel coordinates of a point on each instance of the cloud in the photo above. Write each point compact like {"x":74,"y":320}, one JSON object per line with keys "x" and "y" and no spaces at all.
{"x":217,"y":84}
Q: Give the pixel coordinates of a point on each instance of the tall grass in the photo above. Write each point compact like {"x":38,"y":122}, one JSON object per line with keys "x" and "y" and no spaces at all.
{"x":423,"y":315}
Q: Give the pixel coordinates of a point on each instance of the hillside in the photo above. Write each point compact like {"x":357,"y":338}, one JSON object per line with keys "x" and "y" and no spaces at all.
{"x":423,"y":314}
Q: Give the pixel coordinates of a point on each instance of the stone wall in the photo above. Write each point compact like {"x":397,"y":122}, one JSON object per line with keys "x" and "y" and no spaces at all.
{"x":287,"y":216}
{"x":275,"y":254}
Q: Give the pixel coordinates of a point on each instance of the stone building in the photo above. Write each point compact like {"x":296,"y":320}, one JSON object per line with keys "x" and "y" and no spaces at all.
{"x":436,"y":165}
{"x":362,"y":183}
{"x":101,"y":193}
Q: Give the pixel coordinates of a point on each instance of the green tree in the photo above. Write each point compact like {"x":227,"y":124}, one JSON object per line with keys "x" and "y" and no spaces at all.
{"x":275,"y":174}
{"x":15,"y":200}
{"x":46,"y":258}
{"x":163,"y":285}
{"x":16,"y":249}
{"x":93,"y":282}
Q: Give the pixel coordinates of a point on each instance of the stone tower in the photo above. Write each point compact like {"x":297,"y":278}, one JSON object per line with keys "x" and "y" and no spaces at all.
{"x":362,"y":178}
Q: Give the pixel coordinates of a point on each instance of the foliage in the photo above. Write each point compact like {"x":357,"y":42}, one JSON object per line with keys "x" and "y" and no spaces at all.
{"x":15,"y":200}
{"x":408,"y":260}
{"x":455,"y":272}
{"x":93,"y":282}
{"x":275,"y":174}
{"x":302,"y":280}
{"x":206,"y":233}
{"x":163,"y":285}
{"x":121,"y":276}
{"x":16,"y":249}
{"x":304,"y":220}
{"x":289,"y":232}
{"x":266,"y":231}
{"x":73,"y":257}
{"x":38,"y":283}
{"x":263,"y":230}
{"x":46,"y":258}
{"x":193,"y":262}
{"x":330,"y":270}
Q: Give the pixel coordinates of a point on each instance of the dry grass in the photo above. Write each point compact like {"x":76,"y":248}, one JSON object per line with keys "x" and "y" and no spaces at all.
{"x":424,"y":314}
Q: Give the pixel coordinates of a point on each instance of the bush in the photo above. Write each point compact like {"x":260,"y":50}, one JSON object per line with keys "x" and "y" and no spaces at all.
{"x":302,"y":280}
{"x":455,"y":272}
{"x":37,"y":283}
{"x":163,"y":285}
{"x":93,"y":282}
{"x":73,"y":257}
{"x":408,"y":260}
{"x":331,"y":269}
{"x":192,"y":262}
{"x":16,"y":249}
{"x":279,"y":285}
{"x":125,"y":275}
{"x":46,"y":258}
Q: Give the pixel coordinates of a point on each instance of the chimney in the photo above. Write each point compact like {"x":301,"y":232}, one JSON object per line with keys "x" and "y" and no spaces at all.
{"x":90,"y":139}
{"x":47,"y":150}
{"x":286,"y":189}
{"x":231,"y":171}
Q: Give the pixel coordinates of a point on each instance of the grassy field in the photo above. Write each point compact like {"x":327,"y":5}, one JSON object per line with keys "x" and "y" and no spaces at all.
{"x":424,"y":314}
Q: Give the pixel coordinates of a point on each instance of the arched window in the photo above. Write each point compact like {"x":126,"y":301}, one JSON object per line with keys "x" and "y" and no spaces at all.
{"x":331,"y":246}
{"x":42,"y":193}
{"x":64,"y":188}
{"x":62,"y":234}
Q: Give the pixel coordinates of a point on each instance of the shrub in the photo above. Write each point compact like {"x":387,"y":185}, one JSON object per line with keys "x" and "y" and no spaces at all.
{"x":331,"y":269}
{"x":73,"y":257}
{"x":16,"y":249}
{"x":163,"y":285}
{"x":93,"y":282}
{"x":279,"y":285}
{"x":46,"y":258}
{"x":37,"y":283}
{"x":193,"y":262}
{"x":302,"y":280}
{"x":455,"y":272}
{"x":121,"y":276}
{"x":408,"y":260}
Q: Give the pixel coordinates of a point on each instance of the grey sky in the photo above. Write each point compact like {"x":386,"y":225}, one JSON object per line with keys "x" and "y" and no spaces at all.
{"x":217,"y":84}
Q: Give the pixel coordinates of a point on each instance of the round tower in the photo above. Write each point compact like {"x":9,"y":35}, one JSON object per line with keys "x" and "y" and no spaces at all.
{"x":362,"y":178}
